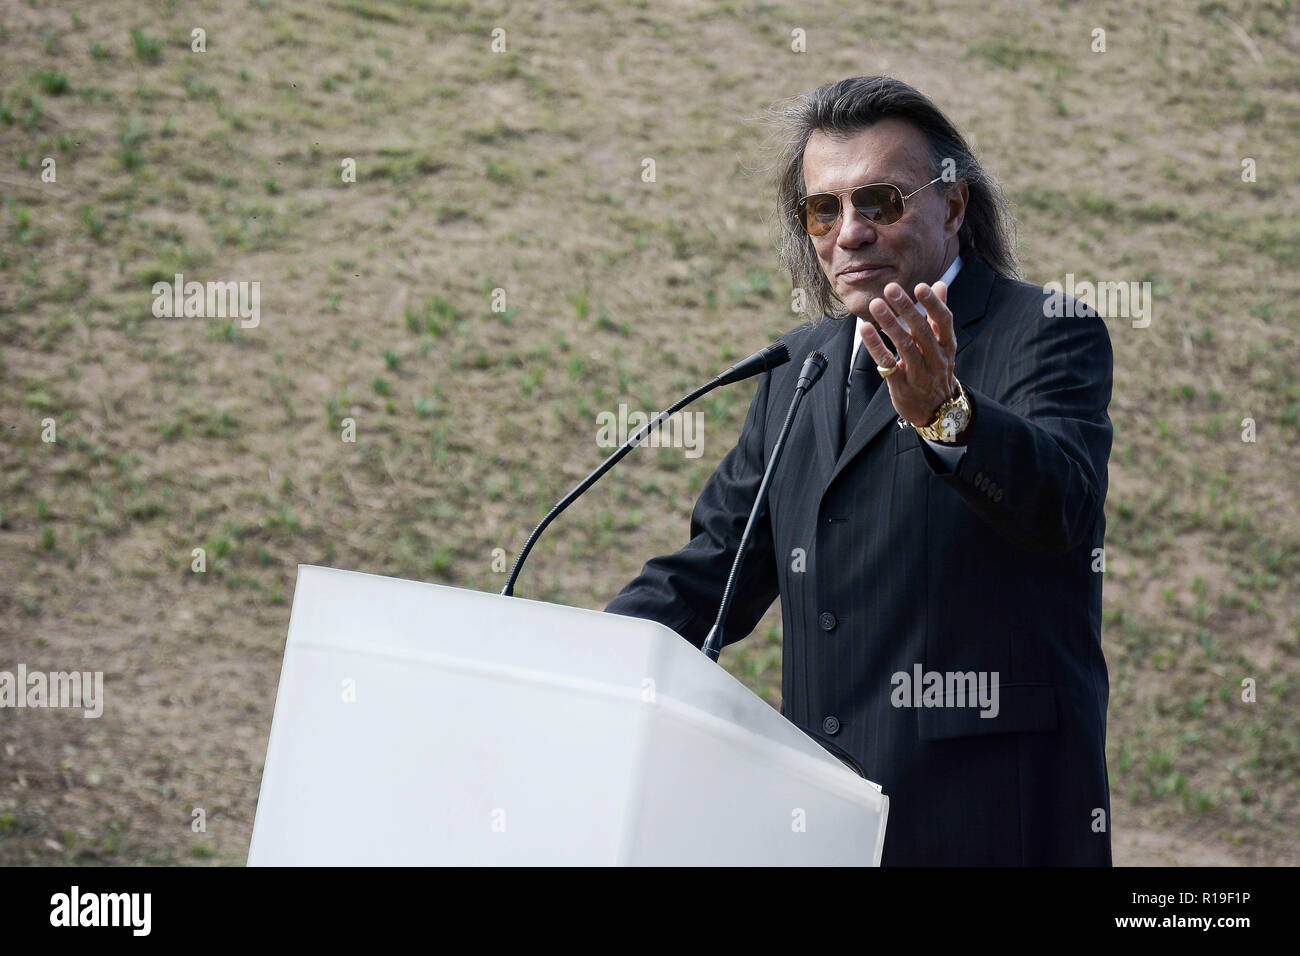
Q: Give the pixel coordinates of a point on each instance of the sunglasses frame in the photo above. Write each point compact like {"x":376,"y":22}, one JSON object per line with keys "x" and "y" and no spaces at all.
{"x":902,"y":203}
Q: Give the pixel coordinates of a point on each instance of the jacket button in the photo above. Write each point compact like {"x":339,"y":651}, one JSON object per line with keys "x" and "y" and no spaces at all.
{"x":828,"y":621}
{"x":831,"y":725}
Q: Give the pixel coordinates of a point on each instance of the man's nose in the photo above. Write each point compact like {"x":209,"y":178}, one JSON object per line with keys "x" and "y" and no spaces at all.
{"x":855,"y":229}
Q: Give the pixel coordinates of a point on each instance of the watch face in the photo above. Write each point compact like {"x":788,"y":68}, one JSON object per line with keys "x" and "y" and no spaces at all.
{"x":953,"y":423}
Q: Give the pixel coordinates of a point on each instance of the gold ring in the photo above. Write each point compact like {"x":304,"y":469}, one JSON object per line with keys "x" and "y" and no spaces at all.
{"x":886,"y":372}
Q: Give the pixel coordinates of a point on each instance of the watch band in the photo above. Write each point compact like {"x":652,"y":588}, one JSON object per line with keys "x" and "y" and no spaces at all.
{"x":961,"y":404}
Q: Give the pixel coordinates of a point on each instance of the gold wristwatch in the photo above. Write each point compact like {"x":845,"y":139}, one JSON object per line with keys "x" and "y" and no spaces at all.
{"x":951,"y":420}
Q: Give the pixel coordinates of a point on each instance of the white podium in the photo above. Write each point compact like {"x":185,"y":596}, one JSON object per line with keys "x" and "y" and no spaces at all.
{"x":417,"y":724}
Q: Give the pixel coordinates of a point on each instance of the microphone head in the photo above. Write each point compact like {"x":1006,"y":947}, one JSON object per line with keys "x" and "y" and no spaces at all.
{"x":775,"y":355}
{"x":813,"y":367}
{"x":761,"y":361}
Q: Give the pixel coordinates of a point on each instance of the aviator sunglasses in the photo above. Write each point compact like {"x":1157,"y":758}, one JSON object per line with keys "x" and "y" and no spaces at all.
{"x":879,"y":203}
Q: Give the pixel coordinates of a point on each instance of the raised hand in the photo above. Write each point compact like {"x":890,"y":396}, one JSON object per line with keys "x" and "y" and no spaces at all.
{"x":927,"y":349}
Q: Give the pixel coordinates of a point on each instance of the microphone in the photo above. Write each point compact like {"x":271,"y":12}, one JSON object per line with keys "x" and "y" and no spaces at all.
{"x":812,"y":370}
{"x":763,"y":360}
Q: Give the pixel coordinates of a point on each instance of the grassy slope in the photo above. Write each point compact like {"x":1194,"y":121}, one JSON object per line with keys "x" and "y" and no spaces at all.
{"x":521,"y":171}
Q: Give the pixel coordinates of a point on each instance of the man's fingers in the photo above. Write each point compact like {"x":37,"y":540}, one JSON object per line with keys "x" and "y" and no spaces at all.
{"x":876,"y":346}
{"x":912,"y":317}
{"x":935,"y":300}
{"x":901,"y":337}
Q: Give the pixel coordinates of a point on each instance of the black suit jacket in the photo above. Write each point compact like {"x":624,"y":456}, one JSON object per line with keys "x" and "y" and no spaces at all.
{"x":885,"y":560}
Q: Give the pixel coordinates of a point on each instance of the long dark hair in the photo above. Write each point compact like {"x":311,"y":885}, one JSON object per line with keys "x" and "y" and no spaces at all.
{"x":847,"y":107}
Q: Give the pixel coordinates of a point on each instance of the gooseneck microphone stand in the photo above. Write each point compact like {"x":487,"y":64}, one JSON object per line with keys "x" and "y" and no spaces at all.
{"x":764,"y":359}
{"x":812,"y":370}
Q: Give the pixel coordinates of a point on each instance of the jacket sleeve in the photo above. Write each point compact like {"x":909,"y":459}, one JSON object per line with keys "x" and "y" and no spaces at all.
{"x":1035,"y":463}
{"x":683,"y":590}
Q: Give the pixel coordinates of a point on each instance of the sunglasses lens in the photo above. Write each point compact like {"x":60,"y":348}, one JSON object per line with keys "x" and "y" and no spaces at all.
{"x":820,"y":213}
{"x":879,"y":204}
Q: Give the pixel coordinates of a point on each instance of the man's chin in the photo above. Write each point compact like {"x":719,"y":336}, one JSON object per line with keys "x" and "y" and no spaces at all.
{"x":858,"y":300}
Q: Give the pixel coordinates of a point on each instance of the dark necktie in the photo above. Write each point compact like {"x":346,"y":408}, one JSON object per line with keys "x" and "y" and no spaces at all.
{"x":863,"y":383}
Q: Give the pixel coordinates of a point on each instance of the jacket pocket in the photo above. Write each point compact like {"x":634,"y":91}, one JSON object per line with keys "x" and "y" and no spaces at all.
{"x":1020,"y":708}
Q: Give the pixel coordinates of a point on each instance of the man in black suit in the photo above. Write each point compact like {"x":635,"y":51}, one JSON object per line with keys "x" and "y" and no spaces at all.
{"x":936,"y":543}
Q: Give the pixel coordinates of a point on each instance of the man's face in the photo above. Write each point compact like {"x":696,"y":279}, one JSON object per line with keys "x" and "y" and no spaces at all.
{"x":915,"y":249}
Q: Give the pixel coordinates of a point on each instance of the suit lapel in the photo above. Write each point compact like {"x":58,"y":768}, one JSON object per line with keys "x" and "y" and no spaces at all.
{"x":968,"y":299}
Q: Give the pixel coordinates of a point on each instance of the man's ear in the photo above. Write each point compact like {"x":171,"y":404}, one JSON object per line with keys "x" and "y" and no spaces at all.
{"x":956,"y":198}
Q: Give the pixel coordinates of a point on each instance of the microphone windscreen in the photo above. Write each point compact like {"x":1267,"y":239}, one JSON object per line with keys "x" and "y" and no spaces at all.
{"x":813,"y":367}
{"x":763,"y":360}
